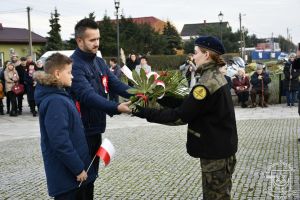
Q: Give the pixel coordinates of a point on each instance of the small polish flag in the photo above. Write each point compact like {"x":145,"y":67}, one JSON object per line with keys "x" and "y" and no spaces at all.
{"x":106,"y":151}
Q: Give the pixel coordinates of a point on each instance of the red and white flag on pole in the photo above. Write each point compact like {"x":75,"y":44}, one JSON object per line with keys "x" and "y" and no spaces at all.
{"x":106,"y":151}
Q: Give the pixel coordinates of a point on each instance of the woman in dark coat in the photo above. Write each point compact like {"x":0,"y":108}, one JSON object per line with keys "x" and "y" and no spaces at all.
{"x":30,"y":86}
{"x":290,"y":82}
{"x":241,"y":85}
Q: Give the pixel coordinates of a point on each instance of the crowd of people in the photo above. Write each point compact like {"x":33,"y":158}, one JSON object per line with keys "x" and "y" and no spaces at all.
{"x":255,"y":84}
{"x":16,"y":79}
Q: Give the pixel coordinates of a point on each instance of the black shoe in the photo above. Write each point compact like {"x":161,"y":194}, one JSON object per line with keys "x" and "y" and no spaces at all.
{"x":1,"y":113}
{"x":13,"y":114}
{"x":244,"y":105}
{"x":298,"y":139}
{"x":20,"y":112}
{"x":34,"y":113}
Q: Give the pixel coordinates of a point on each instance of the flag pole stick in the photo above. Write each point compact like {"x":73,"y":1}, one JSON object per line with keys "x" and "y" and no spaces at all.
{"x":88,"y":169}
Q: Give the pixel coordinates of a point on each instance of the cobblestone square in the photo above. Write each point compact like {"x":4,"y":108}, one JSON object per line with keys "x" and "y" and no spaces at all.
{"x":151,"y":160}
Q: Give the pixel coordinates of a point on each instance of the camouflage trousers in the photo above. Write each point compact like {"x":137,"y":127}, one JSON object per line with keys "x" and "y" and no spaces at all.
{"x":216,"y":178}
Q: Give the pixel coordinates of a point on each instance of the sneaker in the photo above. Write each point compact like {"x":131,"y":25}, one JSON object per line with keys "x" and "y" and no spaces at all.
{"x":253,"y":105}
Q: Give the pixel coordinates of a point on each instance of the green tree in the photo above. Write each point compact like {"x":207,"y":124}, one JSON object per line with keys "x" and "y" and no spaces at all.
{"x":108,"y":37}
{"x":54,"y":41}
{"x":173,"y":39}
{"x":92,"y":16}
{"x":285,"y":45}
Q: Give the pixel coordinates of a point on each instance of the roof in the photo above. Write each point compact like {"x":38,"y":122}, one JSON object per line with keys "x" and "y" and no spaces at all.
{"x":18,"y":35}
{"x":155,"y":23}
{"x":195,"y":29}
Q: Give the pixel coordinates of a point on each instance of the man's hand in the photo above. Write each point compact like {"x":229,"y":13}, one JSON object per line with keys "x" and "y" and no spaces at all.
{"x":260,"y":77}
{"x":82,"y":176}
{"x":124,"y":107}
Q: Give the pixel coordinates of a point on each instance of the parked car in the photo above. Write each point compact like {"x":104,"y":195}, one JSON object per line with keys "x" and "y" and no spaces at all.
{"x":283,"y":56}
{"x":64,"y":52}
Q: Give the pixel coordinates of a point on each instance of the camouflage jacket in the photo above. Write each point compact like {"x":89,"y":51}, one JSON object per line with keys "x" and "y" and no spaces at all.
{"x":209,"y":113}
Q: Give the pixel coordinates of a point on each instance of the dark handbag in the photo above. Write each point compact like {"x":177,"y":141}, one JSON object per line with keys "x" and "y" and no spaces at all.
{"x":18,"y":89}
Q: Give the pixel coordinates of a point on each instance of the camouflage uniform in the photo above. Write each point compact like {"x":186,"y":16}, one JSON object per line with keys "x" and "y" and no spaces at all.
{"x":216,"y":177}
{"x":211,"y":134}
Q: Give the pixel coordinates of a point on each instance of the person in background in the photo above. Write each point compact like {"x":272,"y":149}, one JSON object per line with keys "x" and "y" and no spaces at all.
{"x":39,"y":65}
{"x":2,"y":94}
{"x":291,"y":83}
{"x":116,"y":70}
{"x":132,"y":62}
{"x":143,"y":65}
{"x":188,"y":68}
{"x":2,"y":80}
{"x":260,"y":81}
{"x":21,"y":72}
{"x":11,"y":78}
{"x":241,"y":85}
{"x":223,"y":70}
{"x":30,"y":86}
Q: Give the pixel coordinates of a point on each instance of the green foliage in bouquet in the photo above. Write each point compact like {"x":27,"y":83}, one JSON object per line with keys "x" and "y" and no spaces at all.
{"x":147,"y":90}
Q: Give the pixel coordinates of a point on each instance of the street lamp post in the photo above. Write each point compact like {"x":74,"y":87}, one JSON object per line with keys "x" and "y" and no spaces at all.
{"x":220,"y":15}
{"x":117,"y":6}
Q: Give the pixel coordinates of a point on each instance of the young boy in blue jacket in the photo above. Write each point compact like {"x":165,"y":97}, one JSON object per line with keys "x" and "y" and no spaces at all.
{"x":63,"y":144}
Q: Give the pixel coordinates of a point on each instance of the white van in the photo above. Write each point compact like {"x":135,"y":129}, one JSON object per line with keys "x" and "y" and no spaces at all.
{"x":64,"y":52}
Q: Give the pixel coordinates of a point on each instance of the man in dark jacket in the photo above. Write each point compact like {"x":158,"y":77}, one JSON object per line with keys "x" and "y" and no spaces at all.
{"x":260,"y":81}
{"x":21,"y":72}
{"x":291,"y":83}
{"x":91,"y":84}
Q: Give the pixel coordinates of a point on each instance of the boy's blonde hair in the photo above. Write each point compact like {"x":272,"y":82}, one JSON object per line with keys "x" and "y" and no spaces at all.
{"x":56,"y":61}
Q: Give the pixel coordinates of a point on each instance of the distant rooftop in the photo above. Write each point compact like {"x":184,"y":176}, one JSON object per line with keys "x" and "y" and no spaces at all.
{"x":18,"y":36}
{"x":195,"y":29}
{"x":154,"y":22}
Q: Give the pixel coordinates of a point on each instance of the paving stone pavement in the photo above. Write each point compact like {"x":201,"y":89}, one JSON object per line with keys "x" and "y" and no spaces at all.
{"x":151,"y":160}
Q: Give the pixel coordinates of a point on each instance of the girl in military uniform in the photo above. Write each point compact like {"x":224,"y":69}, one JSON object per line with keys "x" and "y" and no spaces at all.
{"x":208,"y":110}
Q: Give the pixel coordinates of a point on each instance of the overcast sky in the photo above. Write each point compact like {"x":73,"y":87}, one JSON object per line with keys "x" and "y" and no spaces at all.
{"x":260,"y":17}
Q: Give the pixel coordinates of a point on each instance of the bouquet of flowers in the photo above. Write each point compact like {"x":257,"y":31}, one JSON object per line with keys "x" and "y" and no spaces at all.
{"x":148,"y":88}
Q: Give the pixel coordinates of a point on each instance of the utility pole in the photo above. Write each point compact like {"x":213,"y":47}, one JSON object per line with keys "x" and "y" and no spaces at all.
{"x":241,"y":34}
{"x":29,"y":28}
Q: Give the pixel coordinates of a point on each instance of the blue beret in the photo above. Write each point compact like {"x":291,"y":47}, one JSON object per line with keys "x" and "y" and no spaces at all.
{"x":210,"y":43}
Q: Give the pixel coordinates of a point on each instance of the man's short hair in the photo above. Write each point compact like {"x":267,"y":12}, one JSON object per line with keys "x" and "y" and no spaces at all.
{"x":56,"y":61}
{"x":23,"y":59}
{"x":114,"y":60}
{"x":84,"y":24}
